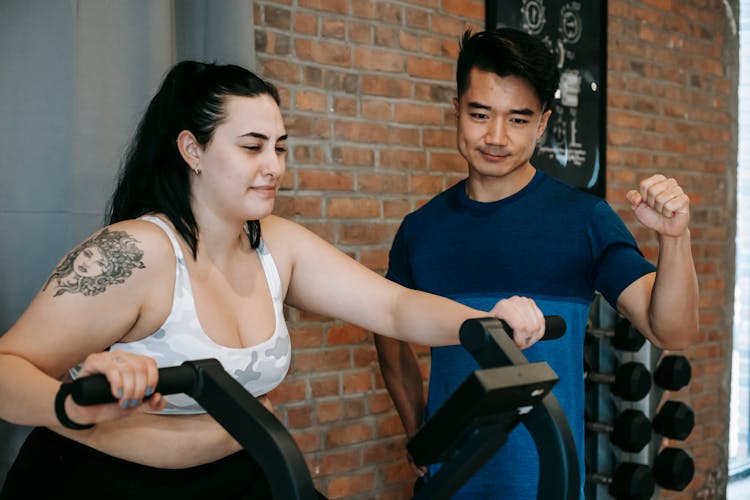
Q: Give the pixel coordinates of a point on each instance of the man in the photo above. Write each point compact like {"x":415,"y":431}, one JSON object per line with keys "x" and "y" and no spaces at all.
{"x":509,"y":229}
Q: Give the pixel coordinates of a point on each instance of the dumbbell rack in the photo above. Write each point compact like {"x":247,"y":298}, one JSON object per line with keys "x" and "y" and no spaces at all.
{"x":602,"y":458}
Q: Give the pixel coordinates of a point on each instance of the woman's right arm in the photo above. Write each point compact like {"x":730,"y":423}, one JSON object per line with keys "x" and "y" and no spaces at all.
{"x":97,"y":295}
{"x":73,"y":316}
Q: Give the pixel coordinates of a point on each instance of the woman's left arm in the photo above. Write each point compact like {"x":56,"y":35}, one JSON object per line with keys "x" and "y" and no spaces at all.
{"x":324,"y":280}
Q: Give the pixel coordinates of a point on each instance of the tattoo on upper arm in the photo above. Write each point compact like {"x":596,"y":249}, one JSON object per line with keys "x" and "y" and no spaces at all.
{"x":107,"y":258}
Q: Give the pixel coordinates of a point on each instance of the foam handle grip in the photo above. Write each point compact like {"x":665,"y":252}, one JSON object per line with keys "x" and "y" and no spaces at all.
{"x":554,"y":328}
{"x":94,"y":389}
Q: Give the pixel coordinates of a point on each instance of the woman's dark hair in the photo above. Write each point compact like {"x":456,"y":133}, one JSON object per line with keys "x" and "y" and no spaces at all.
{"x":153,"y":176}
{"x":507,"y":52}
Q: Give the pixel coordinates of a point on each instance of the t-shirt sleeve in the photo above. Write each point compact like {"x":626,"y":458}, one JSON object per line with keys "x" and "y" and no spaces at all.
{"x":617,"y":260}
{"x":399,"y":269}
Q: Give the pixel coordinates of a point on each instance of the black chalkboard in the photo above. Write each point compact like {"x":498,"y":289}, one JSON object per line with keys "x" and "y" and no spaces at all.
{"x":573,"y":147}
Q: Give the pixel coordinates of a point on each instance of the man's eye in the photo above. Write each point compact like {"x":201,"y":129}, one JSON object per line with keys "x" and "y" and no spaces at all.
{"x":479,"y":116}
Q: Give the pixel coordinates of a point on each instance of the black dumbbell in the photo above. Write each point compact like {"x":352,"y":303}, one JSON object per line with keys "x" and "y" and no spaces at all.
{"x":673,"y":372}
{"x":630,"y":480}
{"x":675,"y":420}
{"x":630,"y":430}
{"x":625,"y":337}
{"x":631,"y":381}
{"x":673,"y":469}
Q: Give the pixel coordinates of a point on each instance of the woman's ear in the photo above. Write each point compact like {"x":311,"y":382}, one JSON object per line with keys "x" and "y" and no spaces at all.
{"x":190,"y":150}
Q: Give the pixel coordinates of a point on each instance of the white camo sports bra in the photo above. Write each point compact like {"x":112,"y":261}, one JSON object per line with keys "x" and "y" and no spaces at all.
{"x":258,"y":368}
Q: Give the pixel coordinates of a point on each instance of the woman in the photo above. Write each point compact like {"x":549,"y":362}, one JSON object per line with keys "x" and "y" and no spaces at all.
{"x":193,"y":265}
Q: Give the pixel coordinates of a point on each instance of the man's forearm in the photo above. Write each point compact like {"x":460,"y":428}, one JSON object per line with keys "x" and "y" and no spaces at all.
{"x":403,"y":379}
{"x":673,"y":310}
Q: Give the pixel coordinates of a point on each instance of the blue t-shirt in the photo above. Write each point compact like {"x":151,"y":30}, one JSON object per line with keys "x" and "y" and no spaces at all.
{"x":551,"y":242}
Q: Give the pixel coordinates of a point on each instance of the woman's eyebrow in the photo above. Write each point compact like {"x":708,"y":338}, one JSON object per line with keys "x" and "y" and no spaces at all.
{"x":264,"y":137}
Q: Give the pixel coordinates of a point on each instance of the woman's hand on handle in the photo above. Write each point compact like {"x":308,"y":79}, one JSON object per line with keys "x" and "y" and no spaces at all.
{"x":132,"y":379}
{"x":524,"y":317}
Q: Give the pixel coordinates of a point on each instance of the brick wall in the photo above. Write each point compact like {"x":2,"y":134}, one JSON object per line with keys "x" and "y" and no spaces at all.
{"x":367,"y":87}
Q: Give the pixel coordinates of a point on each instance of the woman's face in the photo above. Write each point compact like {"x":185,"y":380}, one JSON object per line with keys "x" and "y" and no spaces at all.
{"x":242,"y":165}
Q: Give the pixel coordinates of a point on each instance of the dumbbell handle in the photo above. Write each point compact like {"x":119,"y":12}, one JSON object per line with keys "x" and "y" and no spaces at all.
{"x":600,"y":427}
{"x":95,"y":389}
{"x":600,"y":378}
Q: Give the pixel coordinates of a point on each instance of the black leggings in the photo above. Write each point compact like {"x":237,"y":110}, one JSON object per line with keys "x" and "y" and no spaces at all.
{"x":52,"y":466}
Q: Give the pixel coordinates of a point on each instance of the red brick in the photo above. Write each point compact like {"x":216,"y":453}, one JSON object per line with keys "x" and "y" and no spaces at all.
{"x":382,"y":11}
{"x":347,"y":434}
{"x":352,"y":208}
{"x":430,"y":68}
{"x":386,"y":86}
{"x":404,"y":136}
{"x":388,"y":426}
{"x":396,"y":208}
{"x":360,"y":32}
{"x":344,"y":486}
{"x":307,"y":441}
{"x":360,"y":132}
{"x":340,"y":6}
{"x":346,"y":334}
{"x":382,"y":183}
{"x":426,"y":184}
{"x":337,"y":462}
{"x":308,"y":154}
{"x":357,"y":382}
{"x":299,"y":416}
{"x":439,"y":138}
{"x":345,"y":106}
{"x":275,"y":69}
{"x":306,"y":336}
{"x":354,"y":408}
{"x":323,"y":52}
{"x":376,"y":109}
{"x":384,"y":451}
{"x":310,"y":101}
{"x":290,"y":390}
{"x":364,"y":356}
{"x":403,"y":158}
{"x":324,"y":386}
{"x":305,"y":24}
{"x":333,"y":28}
{"x":325,"y":180}
{"x":329,"y":360}
{"x":379,"y":402}
{"x":446,"y":162}
{"x":465,"y":8}
{"x":364,"y":234}
{"x":353,"y":156}
{"x":379,"y":60}
{"x":374,"y":259}
{"x":292,"y":206}
{"x":329,"y":411}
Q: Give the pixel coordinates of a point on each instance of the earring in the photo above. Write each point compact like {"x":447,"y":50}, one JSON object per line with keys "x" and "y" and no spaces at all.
{"x":197,"y":171}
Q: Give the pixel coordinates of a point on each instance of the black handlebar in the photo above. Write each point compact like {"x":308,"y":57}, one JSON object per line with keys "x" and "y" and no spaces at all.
{"x":95,"y":389}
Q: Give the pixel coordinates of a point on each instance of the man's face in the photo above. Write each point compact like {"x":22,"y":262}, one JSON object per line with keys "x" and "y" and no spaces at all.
{"x":499,"y":120}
